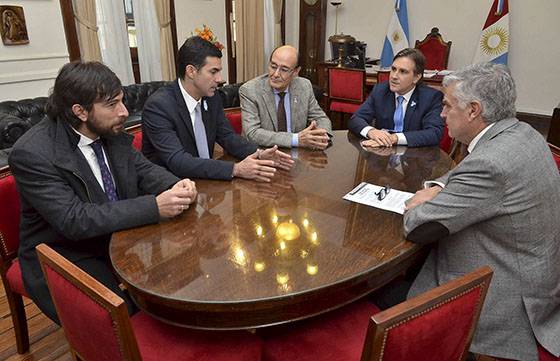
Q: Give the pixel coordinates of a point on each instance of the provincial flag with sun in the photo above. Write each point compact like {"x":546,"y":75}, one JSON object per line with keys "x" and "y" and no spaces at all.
{"x":494,"y":41}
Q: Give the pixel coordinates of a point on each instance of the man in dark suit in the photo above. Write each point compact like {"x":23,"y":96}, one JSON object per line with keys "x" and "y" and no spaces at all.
{"x":401,"y":111}
{"x":79,"y":180}
{"x":182,"y":121}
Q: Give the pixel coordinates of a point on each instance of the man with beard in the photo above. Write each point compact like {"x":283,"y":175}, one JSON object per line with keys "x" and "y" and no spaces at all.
{"x":79,"y":180}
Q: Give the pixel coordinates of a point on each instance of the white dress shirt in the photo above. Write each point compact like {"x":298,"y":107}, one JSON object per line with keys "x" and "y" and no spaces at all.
{"x":91,"y":158}
{"x":190,"y":101}
{"x":401,"y":139}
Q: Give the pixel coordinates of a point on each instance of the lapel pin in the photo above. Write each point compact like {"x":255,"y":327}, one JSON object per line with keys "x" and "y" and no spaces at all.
{"x":412,"y":104}
{"x":205,"y":105}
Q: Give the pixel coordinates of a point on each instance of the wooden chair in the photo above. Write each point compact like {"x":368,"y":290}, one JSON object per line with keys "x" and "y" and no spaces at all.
{"x":417,"y":329}
{"x":446,"y":142}
{"x":554,"y":130}
{"x":435,"y":50}
{"x":233,"y":115}
{"x":136,"y":131}
{"x":97,"y":325}
{"x":555,"y":154}
{"x":9,"y":266}
{"x":383,"y":76}
{"x":347,"y":89}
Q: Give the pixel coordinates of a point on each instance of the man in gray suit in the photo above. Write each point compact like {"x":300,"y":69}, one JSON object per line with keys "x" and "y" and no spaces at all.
{"x":499,"y":207}
{"x":279,"y":108}
{"x":79,"y":180}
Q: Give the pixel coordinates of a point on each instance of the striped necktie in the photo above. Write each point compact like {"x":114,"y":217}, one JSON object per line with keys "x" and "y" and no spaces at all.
{"x":106,"y":177}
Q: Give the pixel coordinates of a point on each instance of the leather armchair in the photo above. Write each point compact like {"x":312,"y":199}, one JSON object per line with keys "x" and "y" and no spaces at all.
{"x":18,"y":116}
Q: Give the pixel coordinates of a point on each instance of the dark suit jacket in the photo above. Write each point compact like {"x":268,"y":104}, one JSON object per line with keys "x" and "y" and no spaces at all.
{"x":63,"y":205}
{"x":423,"y":125}
{"x":168,"y":135}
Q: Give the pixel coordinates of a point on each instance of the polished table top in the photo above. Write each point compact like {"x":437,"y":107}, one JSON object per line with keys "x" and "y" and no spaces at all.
{"x":250,"y":254}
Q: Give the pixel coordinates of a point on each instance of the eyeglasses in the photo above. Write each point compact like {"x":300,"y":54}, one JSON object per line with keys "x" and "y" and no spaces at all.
{"x":282,"y":70}
{"x":383,"y":193}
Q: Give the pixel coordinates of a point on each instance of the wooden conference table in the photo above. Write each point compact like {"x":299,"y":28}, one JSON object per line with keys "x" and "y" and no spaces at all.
{"x":250,"y":254}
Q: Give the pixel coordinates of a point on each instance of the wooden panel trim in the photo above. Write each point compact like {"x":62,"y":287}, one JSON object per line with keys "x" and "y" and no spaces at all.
{"x":72,"y":43}
{"x":554,"y":129}
{"x":174,"y":30}
{"x":232,"y":62}
{"x":540,"y":122}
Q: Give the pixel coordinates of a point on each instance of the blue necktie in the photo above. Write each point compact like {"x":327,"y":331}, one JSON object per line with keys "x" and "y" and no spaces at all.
{"x":398,"y":117}
{"x":106,"y":176}
{"x":200,"y":134}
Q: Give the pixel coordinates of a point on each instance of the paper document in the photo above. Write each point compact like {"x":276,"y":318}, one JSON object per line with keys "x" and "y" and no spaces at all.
{"x":431,"y":73}
{"x":367,"y":194}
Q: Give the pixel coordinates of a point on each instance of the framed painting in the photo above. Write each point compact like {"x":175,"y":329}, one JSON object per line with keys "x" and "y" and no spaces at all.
{"x":12,"y":25}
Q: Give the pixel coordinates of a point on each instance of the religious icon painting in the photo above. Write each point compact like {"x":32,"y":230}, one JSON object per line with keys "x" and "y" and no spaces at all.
{"x":12,"y":25}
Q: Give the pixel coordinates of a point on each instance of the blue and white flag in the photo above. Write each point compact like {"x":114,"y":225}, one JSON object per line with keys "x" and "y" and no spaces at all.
{"x":493,"y":45}
{"x":397,"y":34}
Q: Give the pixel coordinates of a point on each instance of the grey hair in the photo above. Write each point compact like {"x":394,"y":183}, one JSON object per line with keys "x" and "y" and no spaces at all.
{"x":489,"y":84}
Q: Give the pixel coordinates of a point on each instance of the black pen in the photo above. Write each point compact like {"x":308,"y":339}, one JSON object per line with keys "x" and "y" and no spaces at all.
{"x":356,"y":190}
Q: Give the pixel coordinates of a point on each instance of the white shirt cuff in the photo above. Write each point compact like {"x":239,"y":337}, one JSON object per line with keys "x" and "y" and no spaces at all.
{"x":428,"y":184}
{"x":295,"y":139}
{"x":364,"y":131}
{"x":401,"y":139}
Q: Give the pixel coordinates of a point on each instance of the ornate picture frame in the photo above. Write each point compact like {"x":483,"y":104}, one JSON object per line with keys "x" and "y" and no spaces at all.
{"x":12,"y":25}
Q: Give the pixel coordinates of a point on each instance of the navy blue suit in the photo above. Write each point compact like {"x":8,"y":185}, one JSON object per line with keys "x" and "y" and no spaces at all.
{"x":168,"y":135}
{"x":423,"y":125}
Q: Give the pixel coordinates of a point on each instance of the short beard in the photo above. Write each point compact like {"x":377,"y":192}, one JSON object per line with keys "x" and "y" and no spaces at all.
{"x":92,"y":127}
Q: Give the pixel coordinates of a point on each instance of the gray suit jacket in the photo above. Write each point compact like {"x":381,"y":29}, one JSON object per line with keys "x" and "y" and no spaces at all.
{"x":500,"y":207}
{"x":258,"y":111}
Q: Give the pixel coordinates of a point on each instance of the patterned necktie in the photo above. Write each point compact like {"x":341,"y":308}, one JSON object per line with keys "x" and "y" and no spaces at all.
{"x":398,"y":117}
{"x":200,"y":134}
{"x":106,"y":176}
{"x":281,"y":114}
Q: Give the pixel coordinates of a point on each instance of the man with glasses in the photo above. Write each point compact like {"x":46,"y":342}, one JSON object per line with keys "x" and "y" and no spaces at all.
{"x":182,"y":121}
{"x":499,"y":207}
{"x":279,"y":108}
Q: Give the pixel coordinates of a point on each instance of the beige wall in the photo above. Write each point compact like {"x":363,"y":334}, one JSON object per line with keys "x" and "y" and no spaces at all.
{"x":192,"y":14}
{"x":28,"y":71}
{"x":534,"y":55}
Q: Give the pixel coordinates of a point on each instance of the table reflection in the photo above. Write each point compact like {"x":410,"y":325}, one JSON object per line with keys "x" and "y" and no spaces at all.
{"x":254,"y":254}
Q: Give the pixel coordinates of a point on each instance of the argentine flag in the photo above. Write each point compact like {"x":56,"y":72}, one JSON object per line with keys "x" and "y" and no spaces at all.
{"x":493,"y":45}
{"x":397,"y":34}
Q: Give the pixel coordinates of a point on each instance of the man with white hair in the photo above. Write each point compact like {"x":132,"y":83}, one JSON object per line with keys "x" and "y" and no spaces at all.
{"x":499,"y":207}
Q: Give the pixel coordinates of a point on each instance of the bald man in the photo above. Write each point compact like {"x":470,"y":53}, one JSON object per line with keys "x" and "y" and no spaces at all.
{"x":279,"y":108}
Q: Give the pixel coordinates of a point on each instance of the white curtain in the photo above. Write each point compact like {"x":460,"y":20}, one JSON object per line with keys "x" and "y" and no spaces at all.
{"x":147,"y":36}
{"x":113,"y":39}
{"x":269,"y":41}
